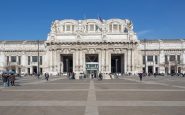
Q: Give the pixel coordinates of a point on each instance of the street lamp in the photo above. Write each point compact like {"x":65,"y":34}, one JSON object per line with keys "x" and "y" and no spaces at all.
{"x":60,"y":67}
{"x":116,"y":65}
{"x":38,"y":68}
{"x":67,"y":68}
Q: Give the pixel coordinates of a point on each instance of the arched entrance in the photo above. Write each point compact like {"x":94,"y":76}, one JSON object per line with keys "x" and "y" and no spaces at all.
{"x":92,"y":65}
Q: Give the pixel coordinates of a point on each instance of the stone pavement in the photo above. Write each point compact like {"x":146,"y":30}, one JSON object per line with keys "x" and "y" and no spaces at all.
{"x":126,"y":96}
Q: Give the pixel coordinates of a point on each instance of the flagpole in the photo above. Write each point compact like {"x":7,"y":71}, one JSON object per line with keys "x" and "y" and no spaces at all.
{"x":99,"y":18}
{"x":145,"y":53}
{"x":38,"y":73}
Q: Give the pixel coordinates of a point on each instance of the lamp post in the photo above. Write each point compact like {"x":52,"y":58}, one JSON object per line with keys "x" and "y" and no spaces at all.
{"x":67,"y":68}
{"x":145,"y":60}
{"x":38,"y":72}
{"x":116,"y":60}
{"x":60,"y":67}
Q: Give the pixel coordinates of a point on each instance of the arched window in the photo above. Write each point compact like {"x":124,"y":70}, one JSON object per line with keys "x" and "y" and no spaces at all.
{"x":91,"y":27}
{"x":114,"y":27}
{"x":68,"y":27}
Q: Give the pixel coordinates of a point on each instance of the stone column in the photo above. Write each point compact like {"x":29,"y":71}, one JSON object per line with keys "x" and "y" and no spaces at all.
{"x":46,"y":62}
{"x":100,"y":60}
{"x":51,"y":61}
{"x":131,"y":61}
{"x":128,"y":61}
{"x":81,"y":61}
{"x":169,"y":66}
{"x":58,"y":61}
{"x":31,"y":70}
{"x":3,"y":61}
{"x":146,"y":69}
{"x":76,"y":64}
{"x":122,"y":64}
{"x":24,"y":60}
{"x":107,"y":64}
{"x":84,"y":62}
{"x":103,"y":61}
{"x":77,"y":60}
{"x":62,"y":63}
{"x":154,"y":64}
{"x":54,"y":61}
{"x":74,"y":61}
{"x":183,"y":62}
{"x":125,"y":62}
{"x":161,"y":62}
{"x":176,"y":64}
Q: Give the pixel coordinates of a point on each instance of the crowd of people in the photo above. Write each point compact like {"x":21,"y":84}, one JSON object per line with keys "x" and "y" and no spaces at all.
{"x":8,"y":79}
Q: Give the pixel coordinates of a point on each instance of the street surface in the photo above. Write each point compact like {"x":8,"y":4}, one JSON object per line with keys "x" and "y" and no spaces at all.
{"x":163,"y":95}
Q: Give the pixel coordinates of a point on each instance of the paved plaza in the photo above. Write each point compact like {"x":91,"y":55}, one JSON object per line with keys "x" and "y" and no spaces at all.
{"x":163,"y":95}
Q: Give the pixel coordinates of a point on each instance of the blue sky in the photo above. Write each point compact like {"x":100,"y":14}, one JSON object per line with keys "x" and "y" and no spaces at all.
{"x":31,"y":19}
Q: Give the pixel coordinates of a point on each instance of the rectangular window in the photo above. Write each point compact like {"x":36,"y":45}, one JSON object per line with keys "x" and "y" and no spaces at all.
{"x":166,"y":59}
{"x":115,"y":27}
{"x":156,"y":59}
{"x":120,"y":28}
{"x":97,"y":27}
{"x":7,"y":60}
{"x":156,"y":70}
{"x":13,"y":58}
{"x":150,"y":58}
{"x":68,"y":28}
{"x":87,"y":28}
{"x":40,"y":60}
{"x":63,"y":27}
{"x":178,"y":59}
{"x":91,"y":27}
{"x":28,"y":60}
{"x":110,"y":27}
{"x":172,"y":57}
{"x":144,"y":60}
{"x":19,"y":58}
{"x":34,"y":58}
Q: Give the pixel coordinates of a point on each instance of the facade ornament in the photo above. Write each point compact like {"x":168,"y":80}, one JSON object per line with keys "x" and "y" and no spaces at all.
{"x":54,"y":27}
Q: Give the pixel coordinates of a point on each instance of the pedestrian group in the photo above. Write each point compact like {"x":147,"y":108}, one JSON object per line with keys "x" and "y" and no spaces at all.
{"x":8,"y":79}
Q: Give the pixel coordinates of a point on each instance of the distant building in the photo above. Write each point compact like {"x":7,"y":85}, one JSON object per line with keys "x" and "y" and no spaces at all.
{"x":93,"y":46}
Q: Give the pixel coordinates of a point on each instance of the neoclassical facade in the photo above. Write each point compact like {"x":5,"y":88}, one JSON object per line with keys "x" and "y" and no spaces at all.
{"x":93,"y":46}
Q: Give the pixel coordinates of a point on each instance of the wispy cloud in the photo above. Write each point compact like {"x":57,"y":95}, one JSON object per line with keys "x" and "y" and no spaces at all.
{"x":143,"y":32}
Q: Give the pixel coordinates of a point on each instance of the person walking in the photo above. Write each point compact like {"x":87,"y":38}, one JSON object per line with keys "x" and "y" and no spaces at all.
{"x":100,"y":76}
{"x":73,"y":75}
{"x":46,"y":76}
{"x":12,"y":79}
{"x":8,"y":79}
{"x":140,"y":76}
{"x":4,"y":78}
{"x":95,"y":75}
{"x":110,"y":76}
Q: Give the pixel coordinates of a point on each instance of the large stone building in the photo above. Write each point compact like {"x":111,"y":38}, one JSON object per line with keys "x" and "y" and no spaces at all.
{"x":93,"y":46}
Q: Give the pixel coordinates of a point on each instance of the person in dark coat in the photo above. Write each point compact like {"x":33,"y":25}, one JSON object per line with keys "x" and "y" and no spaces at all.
{"x":73,"y":75}
{"x":46,"y":76}
{"x":12,"y":79}
{"x":4,"y":78}
{"x":100,"y":76}
{"x":140,"y":76}
{"x":8,"y":79}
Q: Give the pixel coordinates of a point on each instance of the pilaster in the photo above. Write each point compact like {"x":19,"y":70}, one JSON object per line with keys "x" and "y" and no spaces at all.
{"x":128,"y":61}
{"x":161,"y":62}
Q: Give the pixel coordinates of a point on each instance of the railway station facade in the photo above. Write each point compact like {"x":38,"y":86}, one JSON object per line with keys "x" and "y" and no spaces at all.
{"x":93,"y":46}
